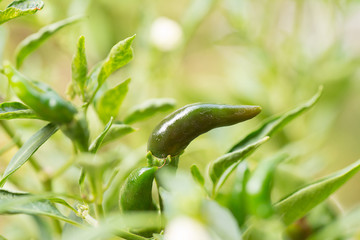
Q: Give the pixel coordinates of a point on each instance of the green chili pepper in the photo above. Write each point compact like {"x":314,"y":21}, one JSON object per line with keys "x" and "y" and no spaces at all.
{"x":40,"y":97}
{"x":177,"y":130}
{"x":136,"y":192}
{"x":259,"y":185}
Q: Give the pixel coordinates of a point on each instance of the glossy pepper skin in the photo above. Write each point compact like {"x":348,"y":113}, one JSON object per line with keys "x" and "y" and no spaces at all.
{"x":175,"y":132}
{"x":136,"y":192}
{"x":40,"y":97}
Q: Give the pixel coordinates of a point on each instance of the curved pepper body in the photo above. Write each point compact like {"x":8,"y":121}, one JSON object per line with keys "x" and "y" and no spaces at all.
{"x":136,"y":192}
{"x":41,"y":98}
{"x":177,"y":130}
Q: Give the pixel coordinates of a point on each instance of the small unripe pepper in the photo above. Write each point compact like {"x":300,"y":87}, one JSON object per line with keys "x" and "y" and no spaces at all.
{"x":40,"y":97}
{"x":175,"y":132}
{"x":136,"y":192}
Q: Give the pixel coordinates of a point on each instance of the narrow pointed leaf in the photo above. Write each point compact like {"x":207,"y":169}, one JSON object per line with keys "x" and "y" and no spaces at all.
{"x":119,"y":56}
{"x":79,"y":66}
{"x":259,"y":186}
{"x":13,"y":110}
{"x":302,"y":201}
{"x":237,"y":201}
{"x":198,"y":177}
{"x":222,"y":167}
{"x":117,"y":131}
{"x":28,"y":149}
{"x":20,"y":8}
{"x":32,"y":42}
{"x":110,"y":102}
{"x":276,"y":123}
{"x":24,"y":203}
{"x":149,"y":108}
{"x":97,"y":142}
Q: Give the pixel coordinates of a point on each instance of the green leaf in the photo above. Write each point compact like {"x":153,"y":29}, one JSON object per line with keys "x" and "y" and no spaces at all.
{"x":222,"y":167}
{"x":119,"y":225}
{"x":79,"y":66}
{"x":24,"y":203}
{"x":117,"y":131}
{"x":20,"y":8}
{"x":110,"y":102}
{"x":198,"y":177}
{"x":28,"y":149}
{"x":274,"y":124}
{"x":13,"y":110}
{"x":342,"y":228}
{"x":119,"y":56}
{"x":259,"y":186}
{"x":237,"y":201}
{"x":97,"y":142}
{"x":148,"y":109}
{"x":220,"y":221}
{"x":297,"y":204}
{"x":32,"y":42}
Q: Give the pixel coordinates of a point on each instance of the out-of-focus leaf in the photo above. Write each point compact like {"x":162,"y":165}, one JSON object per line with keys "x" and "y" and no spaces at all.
{"x":28,"y":149}
{"x":148,"y":109}
{"x":117,"y":131}
{"x":32,"y":42}
{"x":20,"y":8}
{"x":259,"y":185}
{"x":99,"y":139}
{"x":222,"y":167}
{"x":343,"y":228}
{"x":44,"y":228}
{"x":220,"y":221}
{"x":79,"y":66}
{"x":158,"y":237}
{"x":197,"y":176}
{"x":276,"y":123}
{"x":13,"y":110}
{"x":237,"y":201}
{"x":302,"y":201}
{"x":110,"y":102}
{"x":195,"y":14}
{"x":119,"y":225}
{"x":3,"y":37}
{"x":23,"y":203}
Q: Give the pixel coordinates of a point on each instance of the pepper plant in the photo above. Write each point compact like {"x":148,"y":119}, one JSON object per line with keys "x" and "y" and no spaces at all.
{"x":114,"y":198}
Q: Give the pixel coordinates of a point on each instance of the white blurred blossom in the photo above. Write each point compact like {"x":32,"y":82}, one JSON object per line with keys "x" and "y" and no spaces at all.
{"x":165,"y":34}
{"x":182,"y":228}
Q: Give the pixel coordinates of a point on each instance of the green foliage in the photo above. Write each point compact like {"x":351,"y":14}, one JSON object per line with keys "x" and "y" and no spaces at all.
{"x":148,"y":109}
{"x":223,"y":166}
{"x":302,"y":201}
{"x":79,"y":67}
{"x":34,"y":41}
{"x":110,"y":193}
{"x":23,"y":203}
{"x":28,"y":149}
{"x":13,"y":110}
{"x":110,"y":102}
{"x":198,"y":177}
{"x":20,"y":8}
{"x":95,"y":145}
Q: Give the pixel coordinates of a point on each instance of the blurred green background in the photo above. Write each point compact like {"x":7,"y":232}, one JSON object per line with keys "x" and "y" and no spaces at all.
{"x":272,"y":53}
